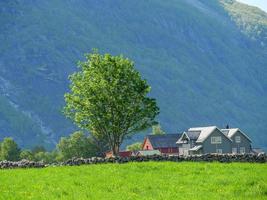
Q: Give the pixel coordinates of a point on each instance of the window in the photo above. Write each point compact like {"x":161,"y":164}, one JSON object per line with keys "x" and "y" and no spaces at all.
{"x":234,"y":150}
{"x":242,"y":150}
{"x":218,"y":150}
{"x":237,"y":139}
{"x":216,"y":140}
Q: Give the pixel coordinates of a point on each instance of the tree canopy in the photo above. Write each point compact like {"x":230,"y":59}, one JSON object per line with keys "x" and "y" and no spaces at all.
{"x":109,"y":98}
{"x":9,"y":150}
{"x":134,"y":147}
{"x":157,"y":130}
{"x":76,"y":145}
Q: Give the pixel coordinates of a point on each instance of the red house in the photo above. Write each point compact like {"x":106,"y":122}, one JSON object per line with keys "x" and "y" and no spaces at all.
{"x":165,"y":143}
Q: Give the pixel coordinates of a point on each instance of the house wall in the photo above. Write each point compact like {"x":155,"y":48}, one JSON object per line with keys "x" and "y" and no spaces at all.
{"x":226,"y":144}
{"x":147,"y":145}
{"x":184,"y":147}
{"x":244,"y":142}
{"x":168,"y":150}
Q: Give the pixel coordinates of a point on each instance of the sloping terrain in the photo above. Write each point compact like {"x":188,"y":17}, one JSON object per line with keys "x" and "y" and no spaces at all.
{"x":205,"y":60}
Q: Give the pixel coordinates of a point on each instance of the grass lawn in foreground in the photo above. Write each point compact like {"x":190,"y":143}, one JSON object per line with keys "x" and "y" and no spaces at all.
{"x":150,"y":180}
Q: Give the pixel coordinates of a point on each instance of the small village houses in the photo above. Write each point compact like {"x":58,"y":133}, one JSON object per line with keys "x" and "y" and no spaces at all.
{"x":200,"y":140}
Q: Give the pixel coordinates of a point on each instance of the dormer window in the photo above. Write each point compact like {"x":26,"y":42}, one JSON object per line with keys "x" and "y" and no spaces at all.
{"x":237,"y":139}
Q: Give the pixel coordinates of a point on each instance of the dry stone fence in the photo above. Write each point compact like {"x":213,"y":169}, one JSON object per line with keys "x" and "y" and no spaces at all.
{"x":223,"y":158}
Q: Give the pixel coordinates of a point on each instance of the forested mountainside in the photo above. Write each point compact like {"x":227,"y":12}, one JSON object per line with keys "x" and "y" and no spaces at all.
{"x":205,"y":60}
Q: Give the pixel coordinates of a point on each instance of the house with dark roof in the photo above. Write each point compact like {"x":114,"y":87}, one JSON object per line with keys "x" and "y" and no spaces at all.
{"x":202,"y":140}
{"x":165,"y":143}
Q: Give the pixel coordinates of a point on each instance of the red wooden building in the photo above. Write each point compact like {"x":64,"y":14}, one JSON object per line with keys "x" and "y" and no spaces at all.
{"x":165,"y":143}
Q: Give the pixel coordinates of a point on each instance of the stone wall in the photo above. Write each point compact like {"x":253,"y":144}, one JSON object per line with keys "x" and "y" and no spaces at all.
{"x":20,"y":164}
{"x":223,"y":158}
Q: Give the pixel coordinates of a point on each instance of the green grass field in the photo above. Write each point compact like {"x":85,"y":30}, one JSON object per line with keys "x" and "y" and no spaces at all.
{"x":162,"y":180}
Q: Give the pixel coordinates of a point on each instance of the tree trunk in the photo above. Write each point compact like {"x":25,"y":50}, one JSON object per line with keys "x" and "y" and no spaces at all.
{"x":115,"y":150}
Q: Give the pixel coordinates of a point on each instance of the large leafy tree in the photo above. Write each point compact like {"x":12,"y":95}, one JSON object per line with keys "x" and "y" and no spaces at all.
{"x":9,"y":150}
{"x":108,"y":97}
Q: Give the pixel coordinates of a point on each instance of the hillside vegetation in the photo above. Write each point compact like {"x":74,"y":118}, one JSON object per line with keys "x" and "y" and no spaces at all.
{"x":200,"y":57}
{"x":138,"y":181}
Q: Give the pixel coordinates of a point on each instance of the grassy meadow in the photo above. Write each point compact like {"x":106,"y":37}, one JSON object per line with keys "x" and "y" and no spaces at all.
{"x":151,"y":180}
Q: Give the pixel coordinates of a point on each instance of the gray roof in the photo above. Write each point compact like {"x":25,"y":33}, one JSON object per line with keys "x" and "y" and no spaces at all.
{"x":196,"y":148}
{"x":193,"y":135}
{"x":165,"y":140}
{"x":225,"y":131}
{"x":204,"y":132}
{"x":232,"y":131}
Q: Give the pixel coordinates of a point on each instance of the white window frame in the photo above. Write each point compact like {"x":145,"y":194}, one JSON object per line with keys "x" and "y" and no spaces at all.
{"x":219,"y":151}
{"x":237,"y":139}
{"x":234,"y":150}
{"x":242,"y":150}
{"x":216,"y":140}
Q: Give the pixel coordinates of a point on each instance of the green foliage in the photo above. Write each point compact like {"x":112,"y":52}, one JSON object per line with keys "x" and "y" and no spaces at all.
{"x":156,"y":130}
{"x":47,"y":157}
{"x":134,"y":147}
{"x":9,"y":150}
{"x":38,"y":149}
{"x":26,"y":154}
{"x":108,"y":97}
{"x":76,"y":145}
{"x":147,"y":181}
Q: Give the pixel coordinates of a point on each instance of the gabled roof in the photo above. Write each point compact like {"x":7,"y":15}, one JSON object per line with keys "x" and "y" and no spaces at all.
{"x":164,"y":141}
{"x":232,"y":131}
{"x":193,"y":135}
{"x":205,"y":132}
{"x":181,"y":139}
{"x":196,"y":148}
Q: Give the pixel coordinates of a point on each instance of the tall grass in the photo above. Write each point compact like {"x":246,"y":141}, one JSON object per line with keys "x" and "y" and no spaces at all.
{"x":138,"y":181}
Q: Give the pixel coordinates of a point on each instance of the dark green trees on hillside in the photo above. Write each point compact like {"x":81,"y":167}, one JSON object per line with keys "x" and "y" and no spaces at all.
{"x":108,"y":97}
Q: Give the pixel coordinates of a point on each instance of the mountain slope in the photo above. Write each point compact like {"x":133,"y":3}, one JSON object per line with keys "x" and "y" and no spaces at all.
{"x":204,"y":66}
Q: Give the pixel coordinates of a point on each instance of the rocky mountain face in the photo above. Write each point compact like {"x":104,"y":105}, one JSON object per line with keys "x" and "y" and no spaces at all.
{"x":205,"y":60}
